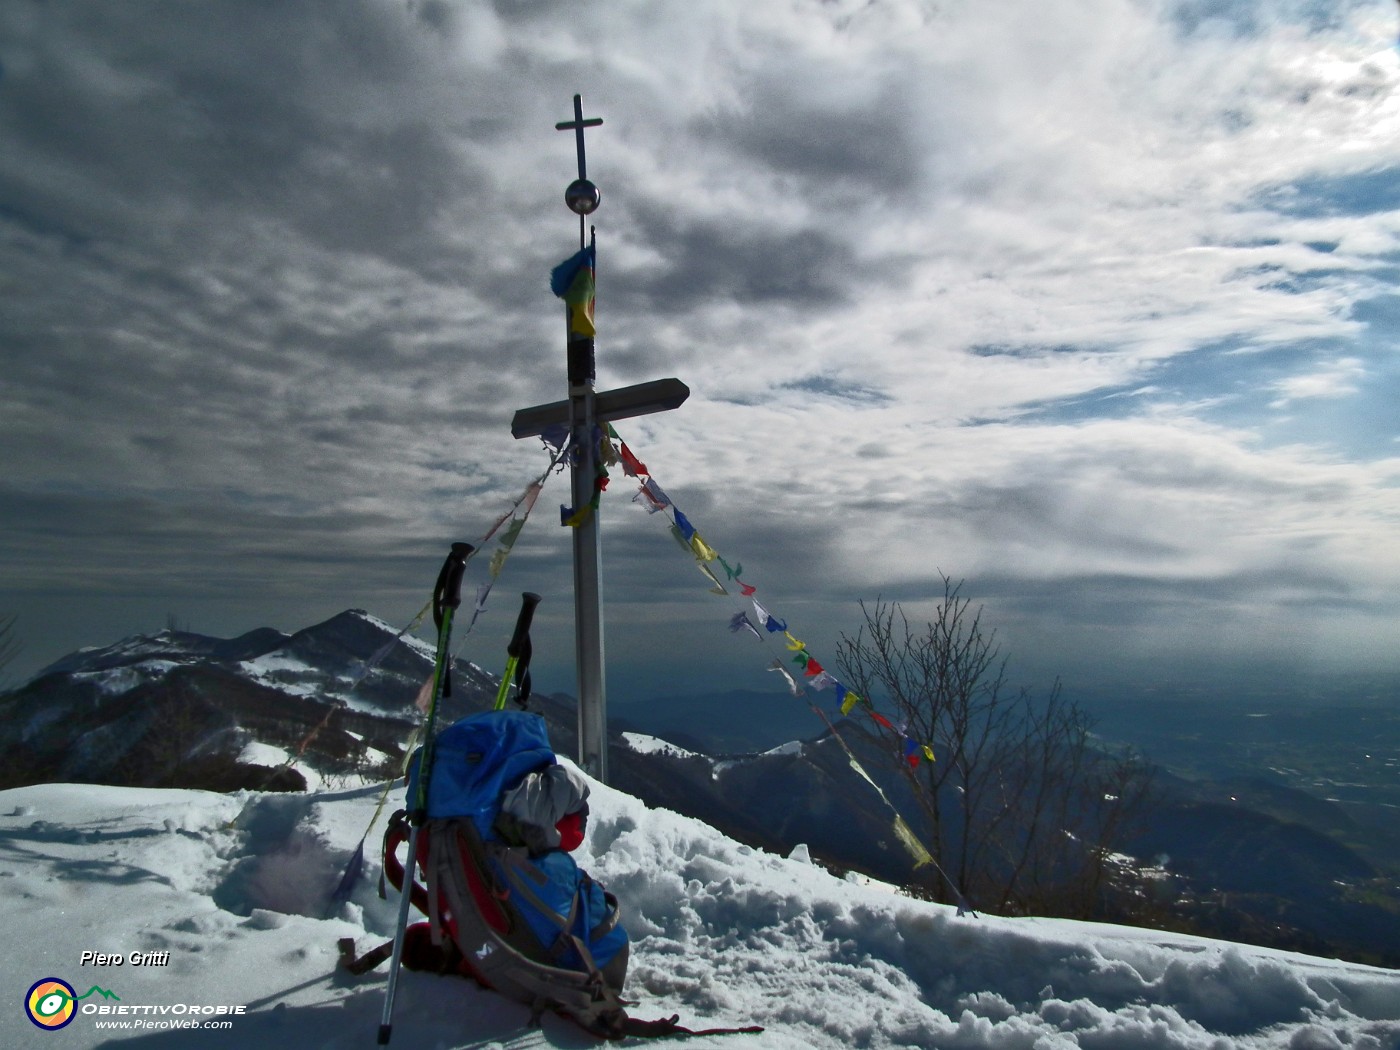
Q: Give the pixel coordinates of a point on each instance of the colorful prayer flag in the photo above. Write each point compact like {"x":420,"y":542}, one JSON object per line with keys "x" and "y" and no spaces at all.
{"x":572,"y":280}
{"x":631,"y":465}
{"x":648,"y":502}
{"x":655,"y":493}
{"x":771,"y":623}
{"x":703,"y":551}
{"x":911,"y":842}
{"x":777,"y":665}
{"x":718,"y":587}
{"x":607,"y":451}
{"x":425,"y":694}
{"x":740,"y":622}
{"x":683,"y":523}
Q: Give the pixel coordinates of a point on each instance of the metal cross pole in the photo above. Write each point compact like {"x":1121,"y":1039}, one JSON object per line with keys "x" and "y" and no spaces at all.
{"x":584,"y":411}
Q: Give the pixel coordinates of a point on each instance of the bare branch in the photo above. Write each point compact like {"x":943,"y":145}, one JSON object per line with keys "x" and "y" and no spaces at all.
{"x":1020,"y":809}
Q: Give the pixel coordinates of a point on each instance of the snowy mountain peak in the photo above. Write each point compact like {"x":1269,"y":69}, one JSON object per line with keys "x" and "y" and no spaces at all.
{"x":181,"y":708}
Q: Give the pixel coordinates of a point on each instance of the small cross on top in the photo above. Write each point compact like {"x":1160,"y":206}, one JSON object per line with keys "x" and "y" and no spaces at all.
{"x":577,"y":125}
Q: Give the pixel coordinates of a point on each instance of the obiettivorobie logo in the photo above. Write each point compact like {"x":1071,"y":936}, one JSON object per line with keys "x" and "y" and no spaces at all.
{"x":52,"y":1003}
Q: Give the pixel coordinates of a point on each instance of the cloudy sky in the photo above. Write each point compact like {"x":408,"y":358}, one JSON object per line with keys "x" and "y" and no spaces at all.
{"x":1089,"y":303}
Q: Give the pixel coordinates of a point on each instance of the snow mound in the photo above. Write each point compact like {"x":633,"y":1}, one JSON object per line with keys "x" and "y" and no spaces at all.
{"x":236,"y":889}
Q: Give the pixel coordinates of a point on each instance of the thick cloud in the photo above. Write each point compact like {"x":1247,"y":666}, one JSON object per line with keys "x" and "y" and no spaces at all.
{"x":1092,"y":300}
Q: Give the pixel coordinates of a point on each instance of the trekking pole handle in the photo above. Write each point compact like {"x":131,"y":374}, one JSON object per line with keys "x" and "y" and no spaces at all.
{"x":448,"y":592}
{"x":528,"y":601}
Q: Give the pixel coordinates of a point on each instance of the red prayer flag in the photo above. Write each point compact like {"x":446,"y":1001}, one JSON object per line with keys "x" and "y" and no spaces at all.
{"x":631,"y":465}
{"x":911,"y":754}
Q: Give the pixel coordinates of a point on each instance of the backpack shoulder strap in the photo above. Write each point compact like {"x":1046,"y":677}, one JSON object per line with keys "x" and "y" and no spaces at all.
{"x":395,"y":835}
{"x":433,"y":873}
{"x":613,"y":913}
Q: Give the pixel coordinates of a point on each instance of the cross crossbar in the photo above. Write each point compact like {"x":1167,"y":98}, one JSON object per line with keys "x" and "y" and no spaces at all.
{"x":659,"y":395}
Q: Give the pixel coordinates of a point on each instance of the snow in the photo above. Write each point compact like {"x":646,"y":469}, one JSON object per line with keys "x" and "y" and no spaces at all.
{"x":236,"y":889}
{"x":428,"y":650}
{"x":259,"y":754}
{"x":651,"y":745}
{"x":271,"y":663}
{"x":287,"y":674}
{"x":118,"y":680}
{"x":255,"y":752}
{"x":792,"y":747}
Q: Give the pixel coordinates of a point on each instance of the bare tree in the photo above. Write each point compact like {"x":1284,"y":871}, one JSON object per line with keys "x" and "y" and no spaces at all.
{"x":1022,"y":811}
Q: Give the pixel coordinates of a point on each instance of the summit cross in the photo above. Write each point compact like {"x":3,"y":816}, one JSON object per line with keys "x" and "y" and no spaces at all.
{"x":576,"y":126}
{"x":586,"y":413}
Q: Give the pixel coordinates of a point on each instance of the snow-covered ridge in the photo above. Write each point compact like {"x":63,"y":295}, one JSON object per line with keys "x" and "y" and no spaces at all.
{"x":123,"y":679}
{"x":651,"y":745}
{"x":411,"y":640}
{"x":338,"y":693}
{"x":644,"y":744}
{"x":792,"y":747}
{"x":235,"y":887}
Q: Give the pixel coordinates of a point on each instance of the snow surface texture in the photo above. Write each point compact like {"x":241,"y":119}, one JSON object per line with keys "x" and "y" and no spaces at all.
{"x":235,"y":888}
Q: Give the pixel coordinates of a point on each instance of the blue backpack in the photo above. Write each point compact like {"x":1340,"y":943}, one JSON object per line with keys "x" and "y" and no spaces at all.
{"x":533,"y":927}
{"x":505,"y":902}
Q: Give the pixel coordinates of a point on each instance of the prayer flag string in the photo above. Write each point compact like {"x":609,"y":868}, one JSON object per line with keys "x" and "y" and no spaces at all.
{"x":654,"y":500}
{"x":517,"y":514}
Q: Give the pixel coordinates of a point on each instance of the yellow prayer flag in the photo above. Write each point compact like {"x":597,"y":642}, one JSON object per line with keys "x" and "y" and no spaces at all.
{"x":718,"y":587}
{"x":498,"y":561}
{"x":911,"y":842}
{"x":850,"y":702}
{"x":703,"y":551}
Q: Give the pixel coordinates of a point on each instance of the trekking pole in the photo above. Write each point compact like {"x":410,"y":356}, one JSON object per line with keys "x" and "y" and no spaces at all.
{"x":447,"y":596}
{"x":518,"y":654}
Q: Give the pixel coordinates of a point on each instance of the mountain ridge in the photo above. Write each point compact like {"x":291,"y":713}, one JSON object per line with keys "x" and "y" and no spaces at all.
{"x":336,"y":700}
